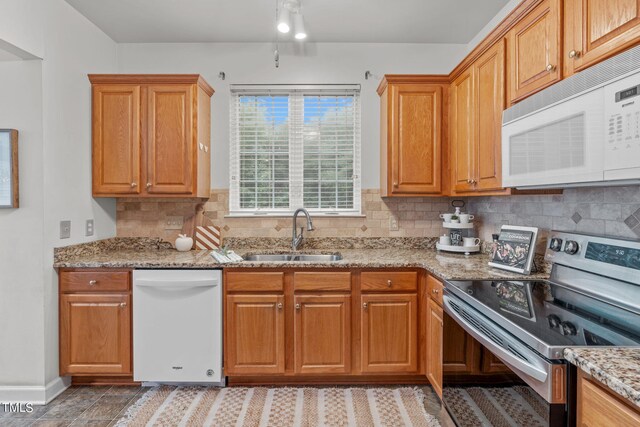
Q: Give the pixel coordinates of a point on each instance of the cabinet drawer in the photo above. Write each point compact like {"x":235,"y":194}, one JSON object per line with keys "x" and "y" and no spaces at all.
{"x":435,"y":289}
{"x":239,"y":282}
{"x":313,"y":281}
{"x":389,"y":281}
{"x":94,"y":281}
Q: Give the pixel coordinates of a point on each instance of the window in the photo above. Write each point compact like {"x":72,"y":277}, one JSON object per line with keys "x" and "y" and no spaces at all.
{"x":295,"y":146}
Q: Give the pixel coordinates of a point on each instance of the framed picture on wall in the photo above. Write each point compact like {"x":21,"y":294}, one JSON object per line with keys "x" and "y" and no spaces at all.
{"x":8,"y":168}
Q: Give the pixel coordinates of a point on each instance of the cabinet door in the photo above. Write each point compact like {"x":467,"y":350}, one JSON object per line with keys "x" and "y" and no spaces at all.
{"x":322,"y":328}
{"x":416,"y":152}
{"x":95,"y":334}
{"x":491,"y":364}
{"x":116,"y":139}
{"x":534,"y":51}
{"x":599,"y":407}
{"x":434,"y":346}
{"x":461,"y":352}
{"x":598,"y":29}
{"x":389,"y":333}
{"x":462,"y":131}
{"x":170,"y":145}
{"x":254,"y":334}
{"x":490,"y":99}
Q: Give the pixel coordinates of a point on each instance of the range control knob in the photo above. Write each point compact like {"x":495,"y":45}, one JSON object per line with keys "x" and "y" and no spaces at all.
{"x":568,"y":328}
{"x":555,"y":244}
{"x":554,"y":321}
{"x":571,"y":247}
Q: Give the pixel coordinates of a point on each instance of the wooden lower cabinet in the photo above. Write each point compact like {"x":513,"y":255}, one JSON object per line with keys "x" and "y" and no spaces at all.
{"x":95,"y":334}
{"x":434,"y":345}
{"x":254,"y":334}
{"x":389,"y":334}
{"x":460,"y":349}
{"x":322,"y":328}
{"x":597,"y":406}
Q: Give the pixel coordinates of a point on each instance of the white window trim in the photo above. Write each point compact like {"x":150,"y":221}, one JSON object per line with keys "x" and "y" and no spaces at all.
{"x":295,"y":142}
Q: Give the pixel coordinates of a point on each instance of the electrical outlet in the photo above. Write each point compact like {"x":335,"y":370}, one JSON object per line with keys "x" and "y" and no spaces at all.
{"x":88,"y":228}
{"x":393,"y":223}
{"x":174,"y":223}
{"x":65,"y":229}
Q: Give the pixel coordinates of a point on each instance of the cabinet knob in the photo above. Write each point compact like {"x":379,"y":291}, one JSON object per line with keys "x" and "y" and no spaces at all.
{"x":389,"y":283}
{"x":92,"y":282}
{"x":551,"y":67}
{"x":574,"y":54}
{"x":134,"y":184}
{"x":395,"y":183}
{"x":280,"y":306}
{"x":435,"y":291}
{"x":364,"y":305}
{"x":123,"y":304}
{"x":148,"y":185}
{"x":297,"y":306}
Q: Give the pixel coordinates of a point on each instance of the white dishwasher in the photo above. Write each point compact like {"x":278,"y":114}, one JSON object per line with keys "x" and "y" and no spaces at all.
{"x":177,"y":326}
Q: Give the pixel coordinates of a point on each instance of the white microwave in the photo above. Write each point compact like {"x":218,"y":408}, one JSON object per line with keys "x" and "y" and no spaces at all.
{"x":582,"y":131}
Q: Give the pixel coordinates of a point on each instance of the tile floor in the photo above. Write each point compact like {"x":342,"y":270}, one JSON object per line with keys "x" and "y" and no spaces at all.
{"x":102,"y":406}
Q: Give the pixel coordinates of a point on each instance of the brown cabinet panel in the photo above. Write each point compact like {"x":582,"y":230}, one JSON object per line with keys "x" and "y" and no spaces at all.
{"x":322,"y":328}
{"x":435,"y":346}
{"x":94,"y":281}
{"x":116,"y":139}
{"x":322,"y":281}
{"x":535,"y":50}
{"x":254,"y":334}
{"x":389,"y":336}
{"x":254,"y":282}
{"x":170,"y":144}
{"x":435,"y":289}
{"x":463,"y":132}
{"x":389,"y":281}
{"x":489,"y":71}
{"x":95,"y":334}
{"x":491,"y":364}
{"x":598,"y":29}
{"x":461,"y":351}
{"x":598,"y":406}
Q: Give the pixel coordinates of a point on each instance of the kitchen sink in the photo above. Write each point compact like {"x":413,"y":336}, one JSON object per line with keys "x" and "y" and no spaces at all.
{"x":293,"y":257}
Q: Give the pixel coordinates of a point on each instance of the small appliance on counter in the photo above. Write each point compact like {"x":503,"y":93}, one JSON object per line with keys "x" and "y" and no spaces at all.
{"x":459,"y":225}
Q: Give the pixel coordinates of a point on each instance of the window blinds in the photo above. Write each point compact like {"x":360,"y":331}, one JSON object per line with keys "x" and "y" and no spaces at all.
{"x":295,"y":146}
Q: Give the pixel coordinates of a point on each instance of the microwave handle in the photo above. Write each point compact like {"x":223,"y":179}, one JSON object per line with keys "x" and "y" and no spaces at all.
{"x":527,"y":368}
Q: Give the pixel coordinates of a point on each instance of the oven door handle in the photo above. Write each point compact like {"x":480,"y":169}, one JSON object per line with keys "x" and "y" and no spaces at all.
{"x":527,"y":368}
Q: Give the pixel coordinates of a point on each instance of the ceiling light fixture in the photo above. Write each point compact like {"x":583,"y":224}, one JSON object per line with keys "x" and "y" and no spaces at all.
{"x":284,"y":20}
{"x":298,"y":22}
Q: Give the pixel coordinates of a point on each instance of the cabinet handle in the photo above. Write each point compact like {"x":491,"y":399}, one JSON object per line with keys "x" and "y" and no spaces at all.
{"x":148,"y":185}
{"x":389,"y":283}
{"x":435,"y":291}
{"x":551,"y":67}
{"x":574,"y":54}
{"x":297,"y":306}
{"x":123,"y":304}
{"x":93,"y":282}
{"x":364,"y":305}
{"x":134,"y":184}
{"x":280,"y":306}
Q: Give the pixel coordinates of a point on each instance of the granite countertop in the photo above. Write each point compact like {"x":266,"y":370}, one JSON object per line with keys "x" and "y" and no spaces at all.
{"x":160,"y":255}
{"x":616,"y":367}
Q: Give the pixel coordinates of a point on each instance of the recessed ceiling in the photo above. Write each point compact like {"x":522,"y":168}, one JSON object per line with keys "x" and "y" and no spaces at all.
{"x":371,"y":21}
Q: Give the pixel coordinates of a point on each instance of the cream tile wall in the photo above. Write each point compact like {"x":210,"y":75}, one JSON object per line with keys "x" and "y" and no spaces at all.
{"x":417,"y":217}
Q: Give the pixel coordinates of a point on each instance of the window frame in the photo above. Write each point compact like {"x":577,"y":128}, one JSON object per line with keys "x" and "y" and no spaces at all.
{"x":296,"y":94}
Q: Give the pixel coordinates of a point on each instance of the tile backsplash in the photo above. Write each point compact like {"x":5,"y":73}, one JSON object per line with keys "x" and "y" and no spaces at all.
{"x":416,"y":217}
{"x":611,"y":210}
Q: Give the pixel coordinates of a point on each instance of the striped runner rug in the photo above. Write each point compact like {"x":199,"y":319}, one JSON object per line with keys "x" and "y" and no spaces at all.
{"x":496,"y":406}
{"x":257,"y":406}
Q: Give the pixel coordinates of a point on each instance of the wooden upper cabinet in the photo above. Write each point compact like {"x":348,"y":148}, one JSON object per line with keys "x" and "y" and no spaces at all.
{"x":535,"y":50}
{"x":462,"y":121}
{"x":95,"y":334}
{"x":116,"y":139}
{"x":322,"y":327}
{"x":489,"y":86}
{"x":598,"y":29}
{"x":411,"y":136}
{"x":170,"y":144}
{"x":151,"y":135}
{"x":254,"y":334}
{"x":389,"y":333}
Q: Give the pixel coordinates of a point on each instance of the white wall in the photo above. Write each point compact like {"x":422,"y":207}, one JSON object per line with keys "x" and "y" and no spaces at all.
{"x":21,"y":27}
{"x":317,"y":63}
{"x":492,"y":24}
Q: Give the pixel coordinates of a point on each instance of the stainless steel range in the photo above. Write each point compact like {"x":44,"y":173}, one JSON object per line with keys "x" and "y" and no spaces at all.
{"x":592,"y":298}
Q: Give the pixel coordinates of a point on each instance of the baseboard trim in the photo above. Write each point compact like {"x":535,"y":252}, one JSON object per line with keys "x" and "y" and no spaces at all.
{"x":37,"y":395}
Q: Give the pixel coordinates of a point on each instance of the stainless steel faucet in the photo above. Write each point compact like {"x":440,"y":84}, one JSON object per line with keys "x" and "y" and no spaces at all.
{"x":297,"y":239}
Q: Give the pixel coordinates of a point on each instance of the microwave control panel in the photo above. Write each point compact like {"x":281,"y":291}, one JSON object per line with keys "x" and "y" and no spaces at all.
{"x":622,"y":128}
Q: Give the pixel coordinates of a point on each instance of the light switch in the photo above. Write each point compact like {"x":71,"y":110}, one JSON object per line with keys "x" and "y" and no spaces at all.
{"x":88,"y":229}
{"x":65,"y":229}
